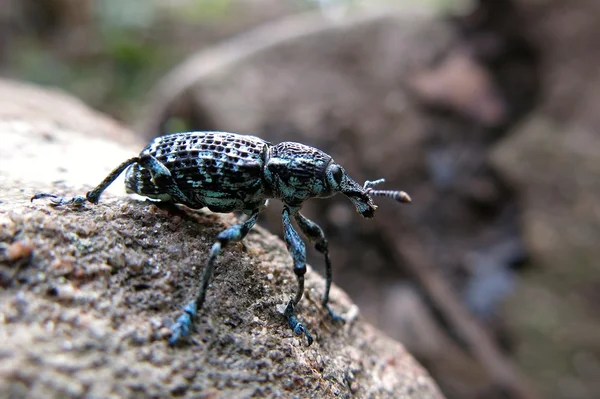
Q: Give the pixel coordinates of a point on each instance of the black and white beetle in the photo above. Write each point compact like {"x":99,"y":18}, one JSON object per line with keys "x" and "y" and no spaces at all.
{"x":229,"y":172}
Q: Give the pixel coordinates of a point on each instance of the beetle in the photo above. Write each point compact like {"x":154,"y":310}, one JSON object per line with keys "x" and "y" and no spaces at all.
{"x":229,"y":172}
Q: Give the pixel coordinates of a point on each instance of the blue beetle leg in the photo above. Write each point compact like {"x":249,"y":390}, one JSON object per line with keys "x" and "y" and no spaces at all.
{"x":297,"y":249}
{"x":315,"y":233}
{"x":56,"y":200}
{"x":297,"y":327}
{"x":184,"y":322}
{"x":235,"y":233}
{"x":164,"y":180}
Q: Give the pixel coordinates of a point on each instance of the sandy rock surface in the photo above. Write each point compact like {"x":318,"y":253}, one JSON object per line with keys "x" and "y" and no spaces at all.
{"x":87,"y":295}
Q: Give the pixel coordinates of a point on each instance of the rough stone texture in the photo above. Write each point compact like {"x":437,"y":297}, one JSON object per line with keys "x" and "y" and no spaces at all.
{"x":86,"y":294}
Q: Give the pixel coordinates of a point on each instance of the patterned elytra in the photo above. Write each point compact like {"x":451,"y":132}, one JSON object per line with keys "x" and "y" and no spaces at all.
{"x":220,"y":170}
{"x":231,"y":172}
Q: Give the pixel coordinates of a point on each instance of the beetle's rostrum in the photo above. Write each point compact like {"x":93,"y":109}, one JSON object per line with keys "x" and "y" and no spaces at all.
{"x":228,"y":172}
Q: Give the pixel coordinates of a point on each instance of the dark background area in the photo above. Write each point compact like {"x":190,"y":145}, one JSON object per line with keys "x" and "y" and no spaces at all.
{"x":491,"y":124}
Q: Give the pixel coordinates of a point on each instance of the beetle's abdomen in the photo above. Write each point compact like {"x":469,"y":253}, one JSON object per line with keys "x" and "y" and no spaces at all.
{"x":223,"y":171}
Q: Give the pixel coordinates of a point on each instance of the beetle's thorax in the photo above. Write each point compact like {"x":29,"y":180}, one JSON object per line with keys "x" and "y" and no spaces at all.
{"x":295,"y":172}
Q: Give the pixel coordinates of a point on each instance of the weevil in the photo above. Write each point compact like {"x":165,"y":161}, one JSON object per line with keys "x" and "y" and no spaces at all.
{"x":229,"y":172}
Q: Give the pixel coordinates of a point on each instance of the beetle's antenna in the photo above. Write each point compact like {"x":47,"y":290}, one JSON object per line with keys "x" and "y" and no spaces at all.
{"x":399,"y":196}
{"x":368,"y":184}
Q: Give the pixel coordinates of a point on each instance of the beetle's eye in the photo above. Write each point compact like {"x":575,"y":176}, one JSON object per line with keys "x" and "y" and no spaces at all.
{"x":337,"y":173}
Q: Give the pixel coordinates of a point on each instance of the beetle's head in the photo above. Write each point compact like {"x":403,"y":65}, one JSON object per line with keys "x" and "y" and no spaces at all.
{"x":361,"y":196}
{"x":340,"y":182}
{"x":296,"y":172}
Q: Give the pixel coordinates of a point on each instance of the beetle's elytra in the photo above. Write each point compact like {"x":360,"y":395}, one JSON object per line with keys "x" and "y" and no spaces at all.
{"x":229,"y":172}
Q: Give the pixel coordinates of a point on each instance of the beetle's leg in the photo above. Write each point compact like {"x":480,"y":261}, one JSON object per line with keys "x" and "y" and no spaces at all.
{"x":92,"y":196}
{"x":297,"y":249}
{"x":315,"y":233}
{"x":163,"y":179}
{"x":234,"y":233}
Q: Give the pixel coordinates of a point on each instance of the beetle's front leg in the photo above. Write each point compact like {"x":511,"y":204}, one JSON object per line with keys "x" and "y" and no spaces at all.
{"x":234,"y":233}
{"x":297,"y":249}
{"x":315,"y":233}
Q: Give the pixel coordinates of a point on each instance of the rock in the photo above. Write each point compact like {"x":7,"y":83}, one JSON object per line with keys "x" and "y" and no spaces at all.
{"x":78,"y":321}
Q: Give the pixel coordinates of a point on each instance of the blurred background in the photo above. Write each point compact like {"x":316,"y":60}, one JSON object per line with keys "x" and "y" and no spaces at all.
{"x":486,"y":112}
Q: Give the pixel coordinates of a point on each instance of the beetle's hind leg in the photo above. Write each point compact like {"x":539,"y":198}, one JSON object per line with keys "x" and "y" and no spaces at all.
{"x":56,"y":200}
{"x":235,"y":233}
{"x":92,"y":196}
{"x":315,"y":233}
{"x":297,"y":249}
{"x":164,"y":181}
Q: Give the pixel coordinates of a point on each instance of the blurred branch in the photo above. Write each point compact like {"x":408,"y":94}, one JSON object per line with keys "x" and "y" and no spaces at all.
{"x":412,"y":255}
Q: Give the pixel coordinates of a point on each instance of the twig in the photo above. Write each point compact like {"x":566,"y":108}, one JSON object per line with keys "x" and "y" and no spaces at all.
{"x":410,"y":254}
